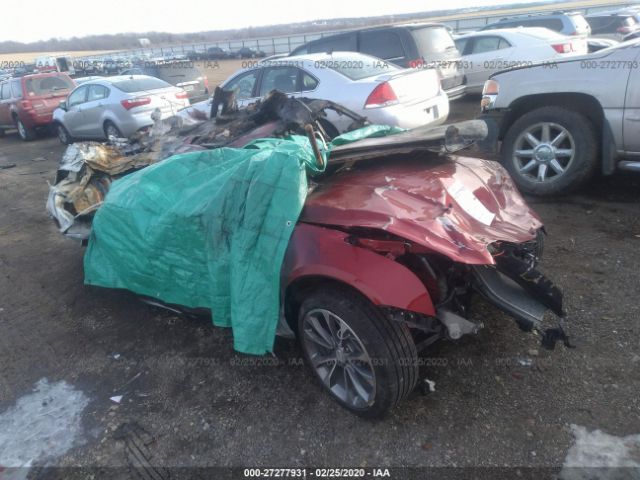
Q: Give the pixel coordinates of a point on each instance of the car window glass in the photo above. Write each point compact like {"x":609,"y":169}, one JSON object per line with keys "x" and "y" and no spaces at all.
{"x":47,"y":85}
{"x":132,"y":85}
{"x":335,"y":43}
{"x":243,"y":85}
{"x":16,"y":88}
{"x":503,"y":44}
{"x":282,"y":79}
{"x":308,"y":82}
{"x":381,"y":44}
{"x":97,"y":92}
{"x":432,"y":40}
{"x":461,"y":43}
{"x":5,"y":93}
{"x":550,"y":23}
{"x":485,"y":44}
{"x":358,"y":67}
{"x":77,"y":97}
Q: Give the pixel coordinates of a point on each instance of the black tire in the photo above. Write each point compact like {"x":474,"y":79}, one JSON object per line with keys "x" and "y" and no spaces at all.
{"x":582,"y":138}
{"x":63,"y":134}
{"x":389,"y":344}
{"x":109,"y":124}
{"x":25,"y":133}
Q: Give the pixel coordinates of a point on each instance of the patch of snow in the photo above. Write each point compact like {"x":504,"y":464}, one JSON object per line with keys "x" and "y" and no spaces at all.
{"x":41,"y":426}
{"x":599,"y":456}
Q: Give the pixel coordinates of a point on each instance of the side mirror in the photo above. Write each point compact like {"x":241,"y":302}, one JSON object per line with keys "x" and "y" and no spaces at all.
{"x":63,"y":105}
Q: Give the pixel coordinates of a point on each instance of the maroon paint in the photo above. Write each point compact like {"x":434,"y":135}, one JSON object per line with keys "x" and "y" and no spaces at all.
{"x":323,"y":252}
{"x":411,"y":199}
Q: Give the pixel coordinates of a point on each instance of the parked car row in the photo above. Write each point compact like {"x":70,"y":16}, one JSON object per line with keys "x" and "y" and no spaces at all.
{"x":218,"y":53}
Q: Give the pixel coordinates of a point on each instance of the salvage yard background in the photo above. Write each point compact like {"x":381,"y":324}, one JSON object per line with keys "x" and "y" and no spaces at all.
{"x":189,"y":400}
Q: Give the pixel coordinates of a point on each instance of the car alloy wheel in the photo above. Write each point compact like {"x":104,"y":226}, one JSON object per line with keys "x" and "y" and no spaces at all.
{"x":112,"y":131}
{"x":544,"y":151}
{"x":339,"y":358}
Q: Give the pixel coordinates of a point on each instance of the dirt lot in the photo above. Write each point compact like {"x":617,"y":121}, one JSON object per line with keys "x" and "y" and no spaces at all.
{"x":189,"y":401}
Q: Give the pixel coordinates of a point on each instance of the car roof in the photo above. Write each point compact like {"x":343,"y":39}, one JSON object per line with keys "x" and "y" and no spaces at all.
{"x":611,"y":14}
{"x":44,"y":74}
{"x":114,"y":79}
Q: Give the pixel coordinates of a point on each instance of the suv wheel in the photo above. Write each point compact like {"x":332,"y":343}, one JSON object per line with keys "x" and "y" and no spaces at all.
{"x":366,"y":362}
{"x":63,"y":134}
{"x":27,"y":134}
{"x":550,"y":151}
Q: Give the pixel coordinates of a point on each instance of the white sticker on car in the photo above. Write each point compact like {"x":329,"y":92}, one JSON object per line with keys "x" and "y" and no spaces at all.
{"x":470,"y":203}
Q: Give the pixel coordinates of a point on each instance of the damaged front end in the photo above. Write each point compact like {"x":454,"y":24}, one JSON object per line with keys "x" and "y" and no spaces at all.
{"x":457,"y":225}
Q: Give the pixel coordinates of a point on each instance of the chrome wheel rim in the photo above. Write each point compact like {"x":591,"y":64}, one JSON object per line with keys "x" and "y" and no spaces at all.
{"x":543,"y":152}
{"x":339,"y":358}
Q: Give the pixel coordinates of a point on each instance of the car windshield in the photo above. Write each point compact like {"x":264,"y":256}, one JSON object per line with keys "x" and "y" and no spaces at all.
{"x":357,"y":67}
{"x":47,"y":85}
{"x":433,"y":39}
{"x":140,"y":84}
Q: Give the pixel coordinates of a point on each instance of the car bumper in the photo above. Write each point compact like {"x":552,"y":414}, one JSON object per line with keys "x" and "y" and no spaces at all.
{"x":433,"y":111}
{"x":36,"y":119}
{"x":456,"y":92}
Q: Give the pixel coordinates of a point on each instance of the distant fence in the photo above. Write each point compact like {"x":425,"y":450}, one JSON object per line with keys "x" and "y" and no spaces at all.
{"x":286,"y":43}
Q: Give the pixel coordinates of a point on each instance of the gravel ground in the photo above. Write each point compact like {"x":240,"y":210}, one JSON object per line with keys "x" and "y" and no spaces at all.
{"x":189,"y":401}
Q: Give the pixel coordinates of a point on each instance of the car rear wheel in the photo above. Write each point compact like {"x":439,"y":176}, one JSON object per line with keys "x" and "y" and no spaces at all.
{"x":110,"y":130}
{"x":366,"y":362}
{"x":550,"y":151}
{"x":27,"y":134}
{"x":63,"y":134}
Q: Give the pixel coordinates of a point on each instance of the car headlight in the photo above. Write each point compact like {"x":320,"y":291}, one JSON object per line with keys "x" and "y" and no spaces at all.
{"x":489,"y":94}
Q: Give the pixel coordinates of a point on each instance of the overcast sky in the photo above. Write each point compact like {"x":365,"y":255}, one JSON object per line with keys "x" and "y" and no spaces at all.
{"x":44,"y":19}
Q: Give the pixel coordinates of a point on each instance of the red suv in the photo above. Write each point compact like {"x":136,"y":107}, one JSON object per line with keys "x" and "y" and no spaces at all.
{"x":28,"y":102}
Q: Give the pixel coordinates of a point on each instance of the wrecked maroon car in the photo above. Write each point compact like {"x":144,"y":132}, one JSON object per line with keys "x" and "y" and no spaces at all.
{"x":387,"y":256}
{"x":395,"y":239}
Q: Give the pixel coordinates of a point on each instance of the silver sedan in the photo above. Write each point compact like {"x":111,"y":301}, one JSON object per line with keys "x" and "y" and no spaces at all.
{"x":116,"y":106}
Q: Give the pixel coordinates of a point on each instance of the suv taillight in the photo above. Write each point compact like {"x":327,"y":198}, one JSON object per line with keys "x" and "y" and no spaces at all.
{"x":135,"y":102}
{"x":182,"y":95}
{"x":382,"y":96}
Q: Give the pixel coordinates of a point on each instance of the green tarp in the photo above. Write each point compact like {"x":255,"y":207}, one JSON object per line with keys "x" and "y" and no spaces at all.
{"x":209,"y":229}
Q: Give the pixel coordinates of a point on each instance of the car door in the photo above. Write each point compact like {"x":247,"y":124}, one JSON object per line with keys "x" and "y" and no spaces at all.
{"x":484,"y":55}
{"x":631,"y":121}
{"x":245,"y":86}
{"x":74,"y":116}
{"x":93,"y":110}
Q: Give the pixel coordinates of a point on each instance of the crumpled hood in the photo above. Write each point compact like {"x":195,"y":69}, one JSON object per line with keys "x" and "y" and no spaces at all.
{"x":456,"y":206}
